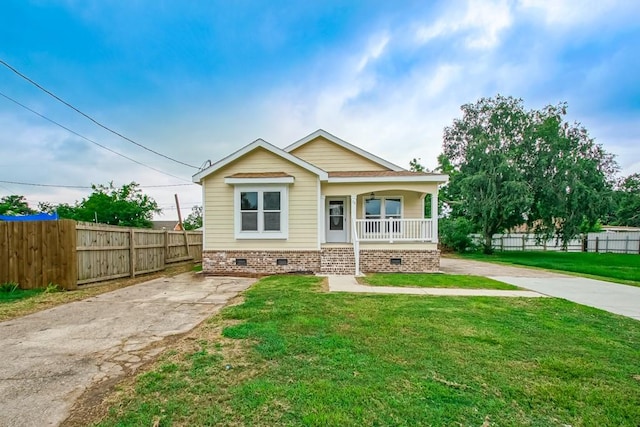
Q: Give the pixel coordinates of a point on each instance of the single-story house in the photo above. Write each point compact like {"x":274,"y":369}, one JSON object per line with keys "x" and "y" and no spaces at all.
{"x":319,"y":205}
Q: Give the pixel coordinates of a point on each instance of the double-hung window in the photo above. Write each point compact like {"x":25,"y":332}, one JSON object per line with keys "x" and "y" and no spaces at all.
{"x":261,"y":212}
{"x":383,"y":208}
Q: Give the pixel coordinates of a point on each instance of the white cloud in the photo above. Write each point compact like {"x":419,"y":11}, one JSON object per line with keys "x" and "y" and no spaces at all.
{"x":570,"y":12}
{"x":373,"y":52}
{"x":480,"y":22}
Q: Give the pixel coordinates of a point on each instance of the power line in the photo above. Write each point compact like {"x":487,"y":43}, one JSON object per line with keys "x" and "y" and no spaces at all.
{"x":91,"y":118}
{"x":87,"y":139}
{"x":32,"y":184}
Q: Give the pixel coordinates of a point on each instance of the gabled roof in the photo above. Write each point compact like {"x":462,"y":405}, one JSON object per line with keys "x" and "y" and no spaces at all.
{"x":259,"y":143}
{"x":344,"y":144}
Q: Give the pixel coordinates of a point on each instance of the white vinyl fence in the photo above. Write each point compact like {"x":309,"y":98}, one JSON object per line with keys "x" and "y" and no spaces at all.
{"x":614,"y":242}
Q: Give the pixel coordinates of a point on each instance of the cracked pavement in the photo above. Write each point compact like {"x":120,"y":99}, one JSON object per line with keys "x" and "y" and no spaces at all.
{"x":49,"y":358}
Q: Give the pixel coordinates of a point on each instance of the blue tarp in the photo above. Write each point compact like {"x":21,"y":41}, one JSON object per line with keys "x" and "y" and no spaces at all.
{"x":34,"y":217}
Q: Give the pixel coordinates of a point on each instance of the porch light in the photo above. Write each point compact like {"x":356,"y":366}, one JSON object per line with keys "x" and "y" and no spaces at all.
{"x":372,"y":196}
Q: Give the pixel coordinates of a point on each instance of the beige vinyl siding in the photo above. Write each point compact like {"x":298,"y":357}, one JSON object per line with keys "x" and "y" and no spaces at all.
{"x":333,"y":158}
{"x":219,"y":205}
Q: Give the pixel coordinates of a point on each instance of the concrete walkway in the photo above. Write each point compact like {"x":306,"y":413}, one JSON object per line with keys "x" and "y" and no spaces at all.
{"x":51,"y":357}
{"x":350,"y":284}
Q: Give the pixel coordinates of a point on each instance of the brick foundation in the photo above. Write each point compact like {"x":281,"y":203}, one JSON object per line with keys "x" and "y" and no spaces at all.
{"x":330,"y":260}
{"x":260,"y":262}
{"x":411,"y":261}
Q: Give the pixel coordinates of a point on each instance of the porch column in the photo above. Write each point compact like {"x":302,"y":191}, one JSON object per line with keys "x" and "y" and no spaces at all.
{"x":352,"y":215}
{"x":321,"y":219}
{"x":355,"y":241}
{"x":434,"y":215}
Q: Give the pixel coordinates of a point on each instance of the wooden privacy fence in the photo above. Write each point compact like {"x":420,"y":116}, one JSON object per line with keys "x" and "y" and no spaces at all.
{"x":109,"y":252}
{"x":36,"y":253}
{"x":66,"y":253}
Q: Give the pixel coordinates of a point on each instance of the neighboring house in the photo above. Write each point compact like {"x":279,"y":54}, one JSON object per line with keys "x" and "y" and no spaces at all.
{"x":166,"y":225}
{"x":320,"y":205}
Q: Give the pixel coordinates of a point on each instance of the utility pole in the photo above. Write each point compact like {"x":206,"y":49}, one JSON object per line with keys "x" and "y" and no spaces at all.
{"x":186,"y":237}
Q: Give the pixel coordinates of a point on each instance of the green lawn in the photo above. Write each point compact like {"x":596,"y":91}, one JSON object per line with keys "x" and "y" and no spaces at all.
{"x":621,"y":267}
{"x":292,"y":354}
{"x":10,"y":292}
{"x":433,"y":280}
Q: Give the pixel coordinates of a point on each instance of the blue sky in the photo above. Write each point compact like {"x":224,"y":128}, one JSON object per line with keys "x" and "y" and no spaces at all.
{"x":197,"y":80}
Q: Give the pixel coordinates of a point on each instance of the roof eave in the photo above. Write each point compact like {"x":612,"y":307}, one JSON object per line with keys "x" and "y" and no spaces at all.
{"x":439,"y":179}
{"x":259,"y":143}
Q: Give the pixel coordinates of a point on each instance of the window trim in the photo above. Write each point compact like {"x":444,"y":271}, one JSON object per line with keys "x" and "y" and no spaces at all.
{"x":382,"y":206}
{"x":261,"y":233}
{"x":383,"y":216}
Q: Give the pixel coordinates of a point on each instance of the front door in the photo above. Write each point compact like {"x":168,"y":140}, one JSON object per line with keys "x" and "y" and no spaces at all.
{"x":336,"y":220}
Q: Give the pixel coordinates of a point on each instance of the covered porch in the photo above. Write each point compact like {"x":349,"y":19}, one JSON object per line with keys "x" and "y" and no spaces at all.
{"x":384,"y":217}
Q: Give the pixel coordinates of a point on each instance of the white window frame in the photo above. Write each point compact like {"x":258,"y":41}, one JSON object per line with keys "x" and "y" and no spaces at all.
{"x":382,"y":212}
{"x":383,"y":216}
{"x":262,"y":233}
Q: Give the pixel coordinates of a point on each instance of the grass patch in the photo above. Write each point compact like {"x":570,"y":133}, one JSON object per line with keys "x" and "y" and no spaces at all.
{"x":294,"y":355}
{"x":624,"y":268}
{"x":10,"y":292}
{"x":434,"y":280}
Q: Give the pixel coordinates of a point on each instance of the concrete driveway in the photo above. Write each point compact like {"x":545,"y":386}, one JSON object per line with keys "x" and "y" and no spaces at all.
{"x":611,"y":297}
{"x":51,"y":357}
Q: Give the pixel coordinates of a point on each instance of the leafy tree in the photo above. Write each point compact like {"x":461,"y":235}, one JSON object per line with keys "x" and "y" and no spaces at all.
{"x":483,"y":150}
{"x":509,"y":166}
{"x":194,"y":220}
{"x":15,"y":205}
{"x":125,"y":206}
{"x":416,"y":166}
{"x":570,"y":175}
{"x":627,"y":202}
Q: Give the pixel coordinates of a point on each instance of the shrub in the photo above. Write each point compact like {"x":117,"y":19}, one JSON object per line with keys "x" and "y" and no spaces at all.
{"x":455,"y":234}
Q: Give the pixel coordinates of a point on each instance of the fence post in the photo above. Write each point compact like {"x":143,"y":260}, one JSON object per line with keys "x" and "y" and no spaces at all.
{"x":585,"y":244}
{"x":606,"y":243}
{"x":502,"y":243}
{"x":524,"y":240}
{"x":597,"y":243}
{"x":166,"y":246}
{"x":132,"y":254}
{"x":626,"y":245}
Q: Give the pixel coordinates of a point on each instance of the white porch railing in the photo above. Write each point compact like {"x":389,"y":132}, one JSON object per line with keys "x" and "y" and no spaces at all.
{"x":394,"y":230}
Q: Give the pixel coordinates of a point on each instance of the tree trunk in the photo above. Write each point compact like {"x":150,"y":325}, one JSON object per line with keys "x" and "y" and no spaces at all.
{"x":487,"y":247}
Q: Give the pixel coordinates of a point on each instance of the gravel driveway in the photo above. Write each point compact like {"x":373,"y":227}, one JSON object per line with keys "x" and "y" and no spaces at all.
{"x":51,"y":357}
